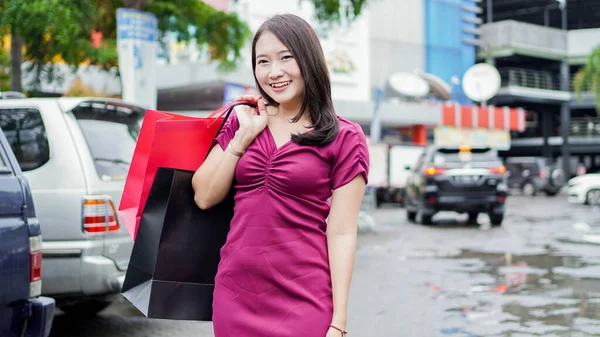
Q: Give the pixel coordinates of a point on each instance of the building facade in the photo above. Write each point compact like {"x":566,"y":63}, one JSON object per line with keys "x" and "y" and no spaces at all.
{"x":538,"y":47}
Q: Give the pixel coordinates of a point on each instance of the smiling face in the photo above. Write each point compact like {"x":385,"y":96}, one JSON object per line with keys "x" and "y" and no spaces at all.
{"x":277,"y":71}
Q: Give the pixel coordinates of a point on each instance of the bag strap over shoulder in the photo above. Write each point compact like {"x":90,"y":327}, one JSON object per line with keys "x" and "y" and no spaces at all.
{"x":225,"y":112}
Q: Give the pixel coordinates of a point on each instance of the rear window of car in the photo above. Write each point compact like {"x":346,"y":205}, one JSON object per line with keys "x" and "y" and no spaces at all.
{"x":111,"y":132}
{"x":443,"y":157}
{"x":25,"y":131}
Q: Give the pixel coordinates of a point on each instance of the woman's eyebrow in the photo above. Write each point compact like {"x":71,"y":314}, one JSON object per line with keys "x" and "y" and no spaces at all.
{"x":281,"y":52}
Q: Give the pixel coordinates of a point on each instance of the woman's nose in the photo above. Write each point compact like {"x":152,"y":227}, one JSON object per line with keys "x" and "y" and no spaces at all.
{"x":275,"y":71}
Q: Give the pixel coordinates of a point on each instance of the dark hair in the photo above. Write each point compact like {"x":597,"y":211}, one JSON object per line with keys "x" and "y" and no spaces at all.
{"x":302,"y":41}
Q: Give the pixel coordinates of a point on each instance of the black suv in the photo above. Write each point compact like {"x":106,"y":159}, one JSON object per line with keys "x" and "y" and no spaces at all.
{"x":460,"y":179}
{"x":534,"y":174}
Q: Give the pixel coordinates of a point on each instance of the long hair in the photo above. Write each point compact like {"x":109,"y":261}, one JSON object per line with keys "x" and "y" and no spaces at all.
{"x":302,"y":41}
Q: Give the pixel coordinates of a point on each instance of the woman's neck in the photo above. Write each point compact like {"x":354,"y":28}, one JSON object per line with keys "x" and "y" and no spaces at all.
{"x":291,"y":110}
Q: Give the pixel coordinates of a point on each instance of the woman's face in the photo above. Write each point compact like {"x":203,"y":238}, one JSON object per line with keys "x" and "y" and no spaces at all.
{"x":277,"y":71}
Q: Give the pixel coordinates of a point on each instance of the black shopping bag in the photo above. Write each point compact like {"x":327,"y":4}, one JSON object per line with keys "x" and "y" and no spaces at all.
{"x":176,"y":252}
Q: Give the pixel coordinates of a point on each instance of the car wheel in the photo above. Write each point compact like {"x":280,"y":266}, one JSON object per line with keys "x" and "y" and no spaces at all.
{"x":424,"y":219}
{"x":592,"y":197}
{"x":411,"y":216}
{"x":85,"y":309}
{"x":496,"y":219}
{"x":528,"y":189}
{"x":473,"y":217}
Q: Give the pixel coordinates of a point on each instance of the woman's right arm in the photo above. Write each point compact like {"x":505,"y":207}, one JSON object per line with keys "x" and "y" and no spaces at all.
{"x":213,"y":179}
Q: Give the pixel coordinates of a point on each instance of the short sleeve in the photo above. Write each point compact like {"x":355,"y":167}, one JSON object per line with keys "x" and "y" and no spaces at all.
{"x":228,"y":131}
{"x":351,"y":156}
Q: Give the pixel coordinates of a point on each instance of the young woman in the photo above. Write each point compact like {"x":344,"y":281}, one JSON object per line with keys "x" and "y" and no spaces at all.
{"x":299,"y":174}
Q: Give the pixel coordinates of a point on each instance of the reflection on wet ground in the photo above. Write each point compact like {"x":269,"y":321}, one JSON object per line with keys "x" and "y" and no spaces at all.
{"x":537,"y":275}
{"x":528,"y":295}
{"x":547,"y":285}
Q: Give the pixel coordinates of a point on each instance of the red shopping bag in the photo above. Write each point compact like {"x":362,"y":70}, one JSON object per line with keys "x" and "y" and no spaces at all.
{"x":166,"y":140}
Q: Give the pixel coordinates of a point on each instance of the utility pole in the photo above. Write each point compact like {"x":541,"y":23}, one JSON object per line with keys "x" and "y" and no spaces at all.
{"x":565,"y":112}
{"x":490,"y":18}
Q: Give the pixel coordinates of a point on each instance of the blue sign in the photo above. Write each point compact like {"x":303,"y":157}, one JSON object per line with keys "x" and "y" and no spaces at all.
{"x":136,"y":25}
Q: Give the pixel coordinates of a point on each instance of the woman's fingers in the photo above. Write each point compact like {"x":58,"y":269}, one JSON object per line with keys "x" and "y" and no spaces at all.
{"x":262,"y":106}
{"x":242,"y":115}
{"x":250,"y":98}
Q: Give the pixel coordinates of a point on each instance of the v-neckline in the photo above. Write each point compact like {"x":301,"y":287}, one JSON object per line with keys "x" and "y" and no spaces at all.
{"x":272,"y":139}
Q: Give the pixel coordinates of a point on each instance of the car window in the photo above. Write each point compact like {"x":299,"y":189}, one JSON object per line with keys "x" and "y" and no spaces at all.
{"x":111,"y":132}
{"x":458,"y":157}
{"x":4,"y":168}
{"x":26,"y":134}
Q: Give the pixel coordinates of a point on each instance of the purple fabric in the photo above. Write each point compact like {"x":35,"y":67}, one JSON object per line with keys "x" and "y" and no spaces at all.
{"x":273,"y":279}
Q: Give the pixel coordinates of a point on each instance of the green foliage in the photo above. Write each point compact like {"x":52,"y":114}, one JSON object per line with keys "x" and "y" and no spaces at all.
{"x":588,"y":78}
{"x":50,"y":29}
{"x":333,"y":11}
{"x":61,"y":29}
{"x":223,"y":32}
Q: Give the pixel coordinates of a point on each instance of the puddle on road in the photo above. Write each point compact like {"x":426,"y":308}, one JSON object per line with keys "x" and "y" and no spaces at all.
{"x":522,"y":295}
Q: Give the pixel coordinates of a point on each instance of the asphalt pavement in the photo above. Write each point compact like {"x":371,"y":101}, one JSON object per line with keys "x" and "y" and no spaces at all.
{"x":537,"y":275}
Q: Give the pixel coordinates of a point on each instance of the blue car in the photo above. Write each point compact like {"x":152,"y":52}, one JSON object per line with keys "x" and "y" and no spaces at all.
{"x":23,"y":312}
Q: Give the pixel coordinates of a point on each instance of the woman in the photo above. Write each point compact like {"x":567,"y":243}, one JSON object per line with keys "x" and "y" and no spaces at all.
{"x":285,"y":271}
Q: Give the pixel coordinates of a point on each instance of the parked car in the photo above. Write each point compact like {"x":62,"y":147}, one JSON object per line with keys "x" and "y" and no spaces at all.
{"x":461,"y":179}
{"x":23,"y":312}
{"x":532,"y":175}
{"x":585,"y":189}
{"x":75,"y":152}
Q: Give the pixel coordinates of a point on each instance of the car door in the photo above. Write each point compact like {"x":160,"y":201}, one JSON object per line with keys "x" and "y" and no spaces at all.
{"x":414,"y":180}
{"x":14,"y":234}
{"x":515,"y":177}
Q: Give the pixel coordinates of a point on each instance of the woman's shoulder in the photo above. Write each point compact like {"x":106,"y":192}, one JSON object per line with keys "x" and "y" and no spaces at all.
{"x":348,"y":129}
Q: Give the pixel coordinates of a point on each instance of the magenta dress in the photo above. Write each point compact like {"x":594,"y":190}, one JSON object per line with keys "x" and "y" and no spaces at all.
{"x":273,"y":279}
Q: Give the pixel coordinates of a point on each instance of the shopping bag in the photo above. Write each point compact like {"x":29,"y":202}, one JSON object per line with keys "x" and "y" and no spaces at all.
{"x":167,"y":140}
{"x":175,"y":255}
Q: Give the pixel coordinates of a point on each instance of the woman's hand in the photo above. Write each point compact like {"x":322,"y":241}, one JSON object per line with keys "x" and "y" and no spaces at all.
{"x":252,"y":123}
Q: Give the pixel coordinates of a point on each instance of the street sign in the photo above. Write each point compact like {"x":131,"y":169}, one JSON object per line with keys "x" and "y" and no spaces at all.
{"x":136,"y":43}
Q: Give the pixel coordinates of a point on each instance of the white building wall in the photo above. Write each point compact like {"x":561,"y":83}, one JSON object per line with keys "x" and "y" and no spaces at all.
{"x":397,"y":30}
{"x":582,"y":42}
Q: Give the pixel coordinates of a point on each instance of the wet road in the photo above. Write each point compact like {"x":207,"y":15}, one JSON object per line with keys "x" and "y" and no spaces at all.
{"x":538,"y":275}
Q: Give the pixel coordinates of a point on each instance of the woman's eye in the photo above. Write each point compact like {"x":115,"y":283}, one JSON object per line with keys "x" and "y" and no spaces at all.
{"x":262,"y":61}
{"x":287,"y":57}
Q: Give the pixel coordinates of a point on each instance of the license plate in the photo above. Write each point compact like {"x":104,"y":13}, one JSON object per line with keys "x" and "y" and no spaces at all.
{"x":466,"y":179}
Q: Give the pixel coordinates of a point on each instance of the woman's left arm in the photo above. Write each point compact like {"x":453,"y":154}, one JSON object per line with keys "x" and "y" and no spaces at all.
{"x":341,"y":242}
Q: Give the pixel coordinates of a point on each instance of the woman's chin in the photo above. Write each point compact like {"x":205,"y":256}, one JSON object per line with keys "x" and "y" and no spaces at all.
{"x":284,"y":98}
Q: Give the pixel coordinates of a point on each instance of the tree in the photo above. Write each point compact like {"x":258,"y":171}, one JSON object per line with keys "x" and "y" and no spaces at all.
{"x":46,"y":30}
{"x":588,"y":77}
{"x":49,"y":30}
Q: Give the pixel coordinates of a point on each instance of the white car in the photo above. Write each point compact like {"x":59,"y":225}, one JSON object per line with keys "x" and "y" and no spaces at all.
{"x":585,"y":189}
{"x":75,"y":153}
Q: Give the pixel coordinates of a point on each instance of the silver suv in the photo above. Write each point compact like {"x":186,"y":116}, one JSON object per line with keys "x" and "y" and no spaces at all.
{"x":75,"y":152}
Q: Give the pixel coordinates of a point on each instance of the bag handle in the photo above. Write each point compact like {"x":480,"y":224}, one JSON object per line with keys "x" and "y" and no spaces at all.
{"x":226,"y":110}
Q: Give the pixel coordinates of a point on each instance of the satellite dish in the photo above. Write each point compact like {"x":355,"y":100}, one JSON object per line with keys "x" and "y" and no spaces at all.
{"x":439,"y":88}
{"x":481,"y":82}
{"x":408,"y":84}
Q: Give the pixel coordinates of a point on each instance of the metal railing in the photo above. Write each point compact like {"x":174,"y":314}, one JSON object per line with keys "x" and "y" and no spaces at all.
{"x":521,"y":77}
{"x":585,"y":127}
{"x":538,"y":79}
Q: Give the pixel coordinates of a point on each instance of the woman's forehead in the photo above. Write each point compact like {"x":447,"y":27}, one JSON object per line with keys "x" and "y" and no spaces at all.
{"x":268,"y":43}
